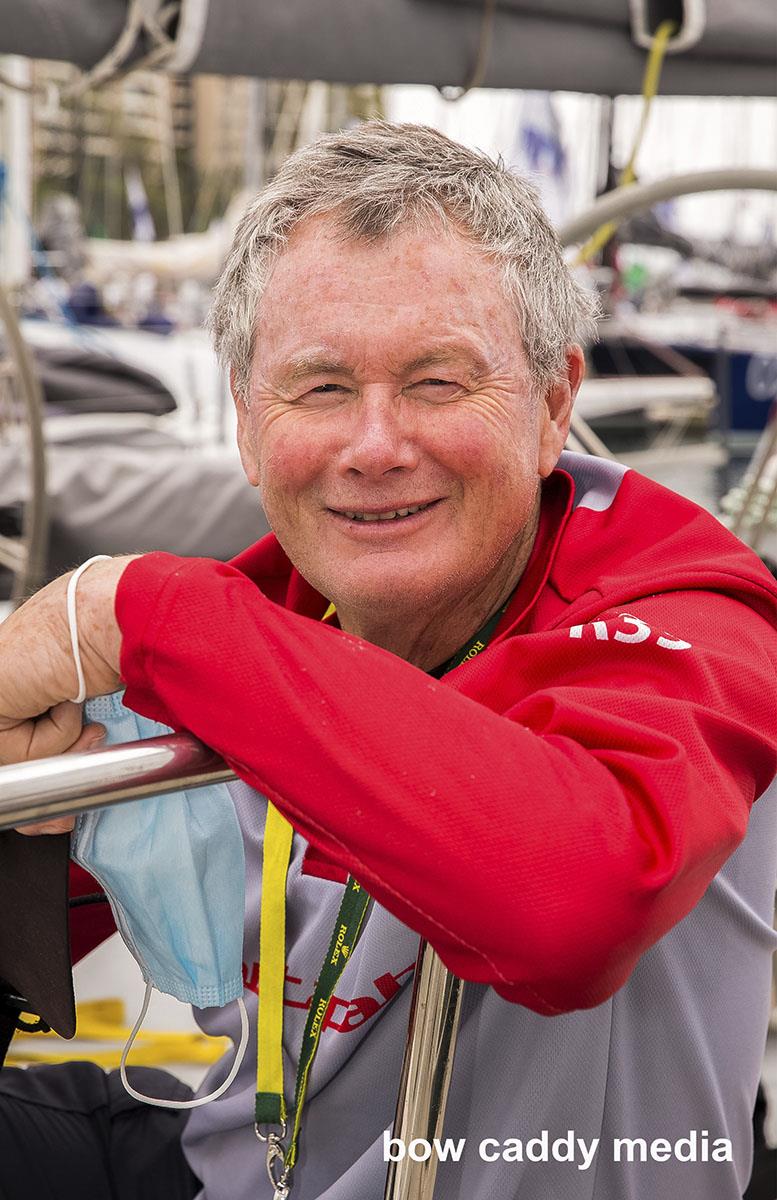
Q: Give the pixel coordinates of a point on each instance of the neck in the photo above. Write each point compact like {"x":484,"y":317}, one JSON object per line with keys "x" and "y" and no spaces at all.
{"x":433,"y":632}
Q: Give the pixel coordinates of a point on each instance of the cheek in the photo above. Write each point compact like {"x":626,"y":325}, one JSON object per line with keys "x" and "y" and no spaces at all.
{"x":289,"y":461}
{"x":488,"y":458}
{"x":462,"y":442}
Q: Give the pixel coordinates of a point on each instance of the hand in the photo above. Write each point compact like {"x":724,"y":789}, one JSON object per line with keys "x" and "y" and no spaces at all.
{"x":54,"y":734}
{"x":37,"y":671}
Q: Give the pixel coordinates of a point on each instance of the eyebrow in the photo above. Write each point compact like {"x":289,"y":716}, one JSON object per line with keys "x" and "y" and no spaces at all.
{"x":305,"y":365}
{"x":437,"y":358}
{"x":311,"y":364}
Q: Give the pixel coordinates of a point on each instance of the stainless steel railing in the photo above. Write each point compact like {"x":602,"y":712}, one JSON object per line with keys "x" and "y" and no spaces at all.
{"x":68,"y":784}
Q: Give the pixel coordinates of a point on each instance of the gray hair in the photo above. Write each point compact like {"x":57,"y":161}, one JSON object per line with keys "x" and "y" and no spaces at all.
{"x":381,"y":177}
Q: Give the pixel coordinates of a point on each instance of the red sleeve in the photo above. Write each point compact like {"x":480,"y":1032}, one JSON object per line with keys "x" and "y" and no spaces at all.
{"x":542,"y":815}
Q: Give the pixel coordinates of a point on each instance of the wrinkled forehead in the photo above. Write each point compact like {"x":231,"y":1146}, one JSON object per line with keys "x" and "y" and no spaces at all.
{"x":399,"y":295}
{"x":371,"y":225}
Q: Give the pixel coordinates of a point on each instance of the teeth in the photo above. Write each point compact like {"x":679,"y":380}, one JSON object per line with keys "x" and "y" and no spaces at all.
{"x":387,"y":516}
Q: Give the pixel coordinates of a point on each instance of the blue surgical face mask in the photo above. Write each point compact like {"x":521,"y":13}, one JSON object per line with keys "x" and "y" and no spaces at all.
{"x":173,"y":868}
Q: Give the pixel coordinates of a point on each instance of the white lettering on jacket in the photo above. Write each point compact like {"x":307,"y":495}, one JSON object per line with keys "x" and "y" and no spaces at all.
{"x":636,"y":631}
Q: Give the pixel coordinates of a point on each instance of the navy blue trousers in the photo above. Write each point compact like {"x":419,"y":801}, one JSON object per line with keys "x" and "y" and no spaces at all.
{"x":71,"y":1132}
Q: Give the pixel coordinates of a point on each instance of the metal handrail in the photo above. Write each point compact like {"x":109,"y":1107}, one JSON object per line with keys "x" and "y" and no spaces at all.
{"x":70,"y":783}
{"x":623,"y":202}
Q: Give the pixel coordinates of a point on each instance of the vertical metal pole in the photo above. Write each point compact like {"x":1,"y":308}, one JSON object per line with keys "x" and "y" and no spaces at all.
{"x":16,"y":152}
{"x":256,"y":106}
{"x":167,"y":149}
{"x":35,"y":511}
{"x":426,"y":1074}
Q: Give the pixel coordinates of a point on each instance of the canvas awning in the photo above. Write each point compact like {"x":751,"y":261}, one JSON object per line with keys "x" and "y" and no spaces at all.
{"x":723,"y":48}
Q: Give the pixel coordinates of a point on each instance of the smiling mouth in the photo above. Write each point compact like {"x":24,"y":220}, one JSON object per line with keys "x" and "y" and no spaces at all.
{"x":396,"y":514}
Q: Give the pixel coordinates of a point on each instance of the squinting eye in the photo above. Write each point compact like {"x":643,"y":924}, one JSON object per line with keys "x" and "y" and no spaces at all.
{"x":435,"y":389}
{"x":323,"y":391}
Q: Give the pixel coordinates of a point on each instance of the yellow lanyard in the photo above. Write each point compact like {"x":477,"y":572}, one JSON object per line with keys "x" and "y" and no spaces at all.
{"x":278,"y":834}
{"x":270,"y":1104}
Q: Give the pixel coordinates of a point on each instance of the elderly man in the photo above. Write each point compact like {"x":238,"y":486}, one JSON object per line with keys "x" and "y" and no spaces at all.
{"x":526,"y":699}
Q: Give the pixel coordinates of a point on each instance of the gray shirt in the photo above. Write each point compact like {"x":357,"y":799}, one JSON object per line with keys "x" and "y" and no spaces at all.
{"x":675,"y":1054}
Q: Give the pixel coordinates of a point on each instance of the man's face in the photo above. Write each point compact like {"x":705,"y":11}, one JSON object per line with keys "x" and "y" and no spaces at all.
{"x":387,"y":377}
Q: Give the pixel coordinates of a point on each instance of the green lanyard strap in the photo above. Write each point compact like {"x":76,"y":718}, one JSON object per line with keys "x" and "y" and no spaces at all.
{"x":345,"y":935}
{"x":270,"y":1104}
{"x":474,"y":647}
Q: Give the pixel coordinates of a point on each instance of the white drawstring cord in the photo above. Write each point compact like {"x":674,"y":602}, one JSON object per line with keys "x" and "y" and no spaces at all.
{"x":239,"y":1056}
{"x":72,"y":620}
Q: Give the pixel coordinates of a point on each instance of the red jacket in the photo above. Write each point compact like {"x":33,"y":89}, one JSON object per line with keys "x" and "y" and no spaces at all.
{"x":549,"y":809}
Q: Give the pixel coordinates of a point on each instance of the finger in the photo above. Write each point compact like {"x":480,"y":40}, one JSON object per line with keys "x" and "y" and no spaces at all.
{"x":91,"y":737}
{"x":56,"y":731}
{"x":67,"y":719}
{"x":59,"y":825}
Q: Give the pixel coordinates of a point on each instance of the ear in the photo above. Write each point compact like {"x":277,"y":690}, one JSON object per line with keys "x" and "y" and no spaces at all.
{"x":246,"y":440}
{"x":556,"y":411}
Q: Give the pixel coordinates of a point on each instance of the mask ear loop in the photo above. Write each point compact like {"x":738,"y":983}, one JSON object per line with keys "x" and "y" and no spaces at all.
{"x":159,"y":1103}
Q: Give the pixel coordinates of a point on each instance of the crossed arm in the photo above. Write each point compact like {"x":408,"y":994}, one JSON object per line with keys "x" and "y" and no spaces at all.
{"x":580,"y":792}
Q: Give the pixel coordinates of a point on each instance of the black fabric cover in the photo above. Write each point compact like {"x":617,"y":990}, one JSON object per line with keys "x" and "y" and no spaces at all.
{"x":548,"y":44}
{"x":75,"y":31}
{"x":558,"y":45}
{"x":71,"y":1132}
{"x":83,"y":381}
{"x":34,"y":937}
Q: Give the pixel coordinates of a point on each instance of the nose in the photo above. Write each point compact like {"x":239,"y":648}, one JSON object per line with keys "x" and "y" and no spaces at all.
{"x":381,"y":437}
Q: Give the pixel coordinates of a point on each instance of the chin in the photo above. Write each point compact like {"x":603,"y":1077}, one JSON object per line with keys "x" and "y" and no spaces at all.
{"x":392,"y":595}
